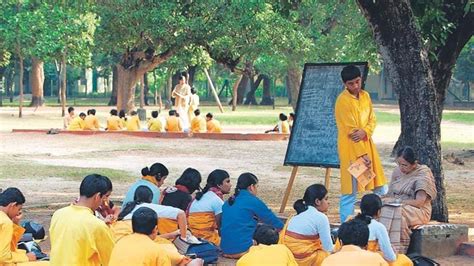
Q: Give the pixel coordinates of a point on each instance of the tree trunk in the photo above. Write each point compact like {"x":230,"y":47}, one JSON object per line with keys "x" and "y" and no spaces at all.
{"x":267,"y":98}
{"x":37,"y":82}
{"x":2,"y":73}
{"x":288,"y":91}
{"x":20,"y":62}
{"x":243,"y":87}
{"x":127,"y":79}
{"x":146,"y":89}
{"x":402,"y":50}
{"x":234,"y":93}
{"x":142,"y":91}
{"x":191,"y":74}
{"x":63,"y":85}
{"x":169,"y":88}
{"x":250,"y":97}
{"x":294,"y":81}
{"x":113,"y":97}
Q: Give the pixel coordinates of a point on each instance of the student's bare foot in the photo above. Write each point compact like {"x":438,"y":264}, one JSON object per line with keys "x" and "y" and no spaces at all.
{"x":196,"y":262}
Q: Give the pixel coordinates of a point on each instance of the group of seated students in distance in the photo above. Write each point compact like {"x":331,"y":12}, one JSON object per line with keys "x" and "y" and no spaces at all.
{"x":118,"y":121}
{"x":94,"y":231}
{"x":285,"y":124}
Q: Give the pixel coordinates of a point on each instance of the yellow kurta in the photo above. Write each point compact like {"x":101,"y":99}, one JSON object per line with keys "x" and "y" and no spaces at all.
{"x":354,"y":255}
{"x":284,"y":127}
{"x":155,"y":125}
{"x":213,"y":126}
{"x":138,"y":249}
{"x":173,"y":124}
{"x":76,"y":124}
{"x":133,"y":123}
{"x":114,"y":123}
{"x":79,"y":238}
{"x":198,"y":125}
{"x":91,"y":123}
{"x":123,"y":228}
{"x":267,"y":255}
{"x":10,"y":233}
{"x":351,"y":114}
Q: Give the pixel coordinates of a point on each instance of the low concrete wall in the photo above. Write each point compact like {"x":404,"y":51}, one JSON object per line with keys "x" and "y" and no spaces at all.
{"x":168,"y":135}
{"x":438,"y":240}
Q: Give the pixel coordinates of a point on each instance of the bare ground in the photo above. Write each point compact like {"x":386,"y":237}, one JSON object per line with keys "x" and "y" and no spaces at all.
{"x":22,"y":153}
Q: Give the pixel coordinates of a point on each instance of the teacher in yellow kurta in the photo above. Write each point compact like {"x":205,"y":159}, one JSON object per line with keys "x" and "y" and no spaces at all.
{"x":355,"y":119}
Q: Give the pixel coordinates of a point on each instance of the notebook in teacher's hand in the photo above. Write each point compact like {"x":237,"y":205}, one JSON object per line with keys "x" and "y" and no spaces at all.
{"x":359,"y":170}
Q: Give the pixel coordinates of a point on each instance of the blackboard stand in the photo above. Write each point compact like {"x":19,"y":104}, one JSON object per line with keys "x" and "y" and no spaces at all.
{"x":292,"y":180}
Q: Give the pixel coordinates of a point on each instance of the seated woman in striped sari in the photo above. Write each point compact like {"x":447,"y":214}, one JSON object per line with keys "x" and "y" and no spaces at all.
{"x":204,"y":214}
{"x":307,"y":234}
{"x":408,"y":201}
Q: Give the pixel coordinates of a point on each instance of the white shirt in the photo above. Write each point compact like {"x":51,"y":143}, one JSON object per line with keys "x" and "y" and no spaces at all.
{"x":209,"y":202}
{"x":162,"y":211}
{"x":377,"y":231}
{"x":312,"y":222}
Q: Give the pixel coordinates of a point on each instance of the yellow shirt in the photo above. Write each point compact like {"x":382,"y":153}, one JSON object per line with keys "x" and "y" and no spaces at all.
{"x":351,"y":114}
{"x":154,"y":124}
{"x":173,"y":124}
{"x":79,"y":238}
{"x":76,"y":124}
{"x":198,"y":125}
{"x":9,"y":253}
{"x":91,"y":123}
{"x":267,"y":255}
{"x":284,"y":127}
{"x":213,"y":126}
{"x":138,"y":249}
{"x":354,"y":255}
{"x":114,"y":123}
{"x":133,"y":123}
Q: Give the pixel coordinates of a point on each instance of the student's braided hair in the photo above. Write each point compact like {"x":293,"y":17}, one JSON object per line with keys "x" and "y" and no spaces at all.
{"x":244,"y":181}
{"x":370,"y":205}
{"x":312,"y":193}
{"x":157,"y":170}
{"x":143,"y":194}
{"x":214,"y":179}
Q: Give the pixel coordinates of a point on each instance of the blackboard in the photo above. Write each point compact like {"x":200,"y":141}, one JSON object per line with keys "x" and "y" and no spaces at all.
{"x":313,"y":139}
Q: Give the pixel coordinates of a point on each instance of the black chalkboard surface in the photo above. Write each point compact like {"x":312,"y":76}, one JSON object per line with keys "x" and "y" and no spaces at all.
{"x":313,"y":139}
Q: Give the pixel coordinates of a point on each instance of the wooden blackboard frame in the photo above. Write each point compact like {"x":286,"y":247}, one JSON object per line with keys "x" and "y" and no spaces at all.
{"x":295,"y":122}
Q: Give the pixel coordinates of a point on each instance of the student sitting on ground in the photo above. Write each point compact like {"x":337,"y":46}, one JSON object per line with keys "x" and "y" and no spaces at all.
{"x":77,"y":236}
{"x":173,"y":123}
{"x":138,"y":248}
{"x":205,"y":210}
{"x":379,"y":241}
{"x":68,"y":118}
{"x":267,"y":251}
{"x":354,"y":236}
{"x":123,"y":119}
{"x":91,"y":122}
{"x":212,"y":125}
{"x":77,"y":123}
{"x":11,"y":203}
{"x":291,"y":119}
{"x":107,"y":211}
{"x":154,"y":124}
{"x":198,"y":124}
{"x":152,"y":178}
{"x":142,"y":198}
{"x":114,"y":122}
{"x":133,"y":123}
{"x":308,"y":234}
{"x":239,"y":217}
{"x":179,"y":196}
{"x":282,"y":126}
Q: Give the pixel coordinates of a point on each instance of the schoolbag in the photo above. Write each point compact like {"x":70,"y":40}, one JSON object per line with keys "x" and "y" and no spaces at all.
{"x":203,"y":250}
{"x":419,"y":260}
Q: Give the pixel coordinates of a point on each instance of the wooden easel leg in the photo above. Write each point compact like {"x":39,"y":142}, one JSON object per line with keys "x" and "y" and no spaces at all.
{"x":288,"y":189}
{"x":326,"y":178}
